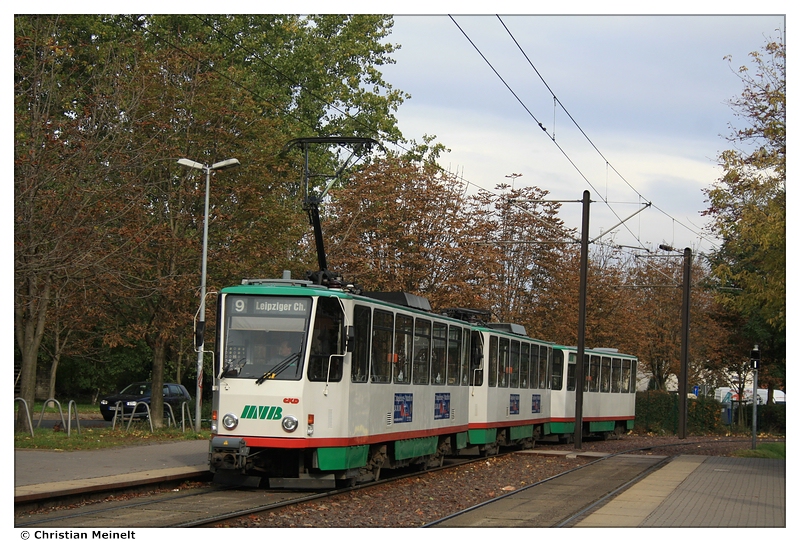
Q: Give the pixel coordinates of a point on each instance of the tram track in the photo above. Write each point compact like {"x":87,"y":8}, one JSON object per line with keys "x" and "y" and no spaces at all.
{"x":190,"y":508}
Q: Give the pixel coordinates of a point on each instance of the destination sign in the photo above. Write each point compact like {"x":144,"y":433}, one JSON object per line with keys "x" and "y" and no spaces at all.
{"x":268,"y":306}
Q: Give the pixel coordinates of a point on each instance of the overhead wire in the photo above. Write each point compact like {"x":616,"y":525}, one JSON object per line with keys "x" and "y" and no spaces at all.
{"x":586,"y":136}
{"x":544,"y":129}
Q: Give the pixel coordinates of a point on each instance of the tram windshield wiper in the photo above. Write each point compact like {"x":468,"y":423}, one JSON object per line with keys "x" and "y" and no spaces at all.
{"x":279,"y":368}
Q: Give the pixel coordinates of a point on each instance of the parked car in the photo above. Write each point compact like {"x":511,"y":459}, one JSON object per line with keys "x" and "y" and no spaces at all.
{"x":141,"y":392}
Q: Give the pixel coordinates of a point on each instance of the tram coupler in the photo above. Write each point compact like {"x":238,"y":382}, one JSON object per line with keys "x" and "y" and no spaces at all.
{"x":226,"y":453}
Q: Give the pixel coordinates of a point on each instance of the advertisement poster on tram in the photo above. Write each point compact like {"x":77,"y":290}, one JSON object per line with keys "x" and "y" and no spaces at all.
{"x":403,"y":407}
{"x":441,"y":406}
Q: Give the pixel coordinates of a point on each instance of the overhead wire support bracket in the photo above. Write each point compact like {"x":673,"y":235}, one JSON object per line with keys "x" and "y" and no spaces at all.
{"x":620,"y":223}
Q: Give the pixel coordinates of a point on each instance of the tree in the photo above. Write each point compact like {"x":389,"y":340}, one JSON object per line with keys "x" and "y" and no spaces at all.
{"x":104,"y":107}
{"x":67,"y":98}
{"x":747,"y":206}
{"x":403,"y":225}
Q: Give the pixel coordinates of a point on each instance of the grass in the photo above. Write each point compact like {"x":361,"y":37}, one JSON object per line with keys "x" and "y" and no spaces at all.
{"x":98,"y":438}
{"x":766,"y":450}
{"x":93,"y":438}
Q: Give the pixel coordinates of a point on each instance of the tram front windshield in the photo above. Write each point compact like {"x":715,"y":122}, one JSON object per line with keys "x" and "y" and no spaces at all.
{"x":263,"y":337}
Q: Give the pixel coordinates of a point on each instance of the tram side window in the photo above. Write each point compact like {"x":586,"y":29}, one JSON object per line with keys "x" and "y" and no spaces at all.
{"x":503,"y":367}
{"x":605,"y":374}
{"x":524,"y":363}
{"x":465,"y":355}
{"x":632,"y":388}
{"x":476,"y":360}
{"x":549,"y":351}
{"x":403,"y":346}
{"x":422,"y":351}
{"x":543,"y":368}
{"x":558,"y":370}
{"x":382,"y":330}
{"x":616,"y":374}
{"x":327,"y":342}
{"x":454,"y":357}
{"x":534,"y":366}
{"x":514,"y":368}
{"x":439,"y":354}
{"x":492,"y":361}
{"x":626,"y":374}
{"x":571,"y":371}
{"x":587,"y":376}
{"x":594,"y":373}
{"x":362,"y":317}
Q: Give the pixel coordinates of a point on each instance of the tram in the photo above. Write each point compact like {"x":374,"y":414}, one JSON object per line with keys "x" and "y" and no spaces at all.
{"x":317,"y":386}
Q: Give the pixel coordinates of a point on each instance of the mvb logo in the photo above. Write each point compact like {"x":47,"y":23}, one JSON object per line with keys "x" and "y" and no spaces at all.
{"x":253,"y":412}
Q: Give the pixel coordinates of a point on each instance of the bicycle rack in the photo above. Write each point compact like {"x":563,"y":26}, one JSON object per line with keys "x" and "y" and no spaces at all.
{"x":60,"y":412}
{"x":185,"y":406}
{"x":118,"y":410}
{"x":27,"y":413}
{"x":135,"y":408}
{"x":171,"y":417}
{"x":69,"y":417}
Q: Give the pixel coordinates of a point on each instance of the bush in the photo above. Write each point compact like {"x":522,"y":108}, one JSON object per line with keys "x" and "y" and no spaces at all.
{"x":772,"y":418}
{"x":657,"y":412}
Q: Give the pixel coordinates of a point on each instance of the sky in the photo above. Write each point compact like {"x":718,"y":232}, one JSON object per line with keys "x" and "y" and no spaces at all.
{"x":645,"y":109}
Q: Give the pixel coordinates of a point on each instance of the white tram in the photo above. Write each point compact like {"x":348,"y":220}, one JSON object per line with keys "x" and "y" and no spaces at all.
{"x":510,"y":400}
{"x":315,"y":385}
{"x":609,"y":392}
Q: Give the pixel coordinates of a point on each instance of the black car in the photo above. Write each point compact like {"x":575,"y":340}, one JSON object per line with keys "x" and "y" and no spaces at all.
{"x":140,"y":392}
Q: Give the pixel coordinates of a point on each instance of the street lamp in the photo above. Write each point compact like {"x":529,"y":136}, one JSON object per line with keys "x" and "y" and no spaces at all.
{"x":201,"y":324}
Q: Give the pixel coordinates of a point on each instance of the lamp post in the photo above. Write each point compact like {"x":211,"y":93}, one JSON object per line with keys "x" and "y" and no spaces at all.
{"x":755,"y":360}
{"x":199,"y":334}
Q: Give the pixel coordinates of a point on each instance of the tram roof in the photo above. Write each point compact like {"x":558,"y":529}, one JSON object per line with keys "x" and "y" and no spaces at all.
{"x":303,"y":288}
{"x":609,"y":352}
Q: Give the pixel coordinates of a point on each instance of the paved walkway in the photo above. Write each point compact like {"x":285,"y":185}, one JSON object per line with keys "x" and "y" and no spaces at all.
{"x":702,"y":491}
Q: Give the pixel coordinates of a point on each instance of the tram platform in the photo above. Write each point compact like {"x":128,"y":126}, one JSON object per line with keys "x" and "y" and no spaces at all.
{"x":701,"y":491}
{"x":48,"y":473}
{"x":689,"y":491}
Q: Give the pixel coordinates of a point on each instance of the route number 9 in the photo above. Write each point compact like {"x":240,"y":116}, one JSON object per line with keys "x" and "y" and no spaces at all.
{"x":239,"y":305}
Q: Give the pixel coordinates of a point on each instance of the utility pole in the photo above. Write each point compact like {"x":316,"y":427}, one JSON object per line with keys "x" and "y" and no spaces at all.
{"x":580,"y":377}
{"x":683,"y":383}
{"x":683,"y":378}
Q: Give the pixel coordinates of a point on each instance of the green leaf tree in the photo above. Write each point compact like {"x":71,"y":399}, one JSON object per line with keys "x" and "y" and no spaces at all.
{"x":747,"y":206}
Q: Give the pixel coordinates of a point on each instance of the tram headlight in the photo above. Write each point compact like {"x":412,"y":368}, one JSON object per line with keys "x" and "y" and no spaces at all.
{"x":289,"y":424}
{"x":230,"y":421}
